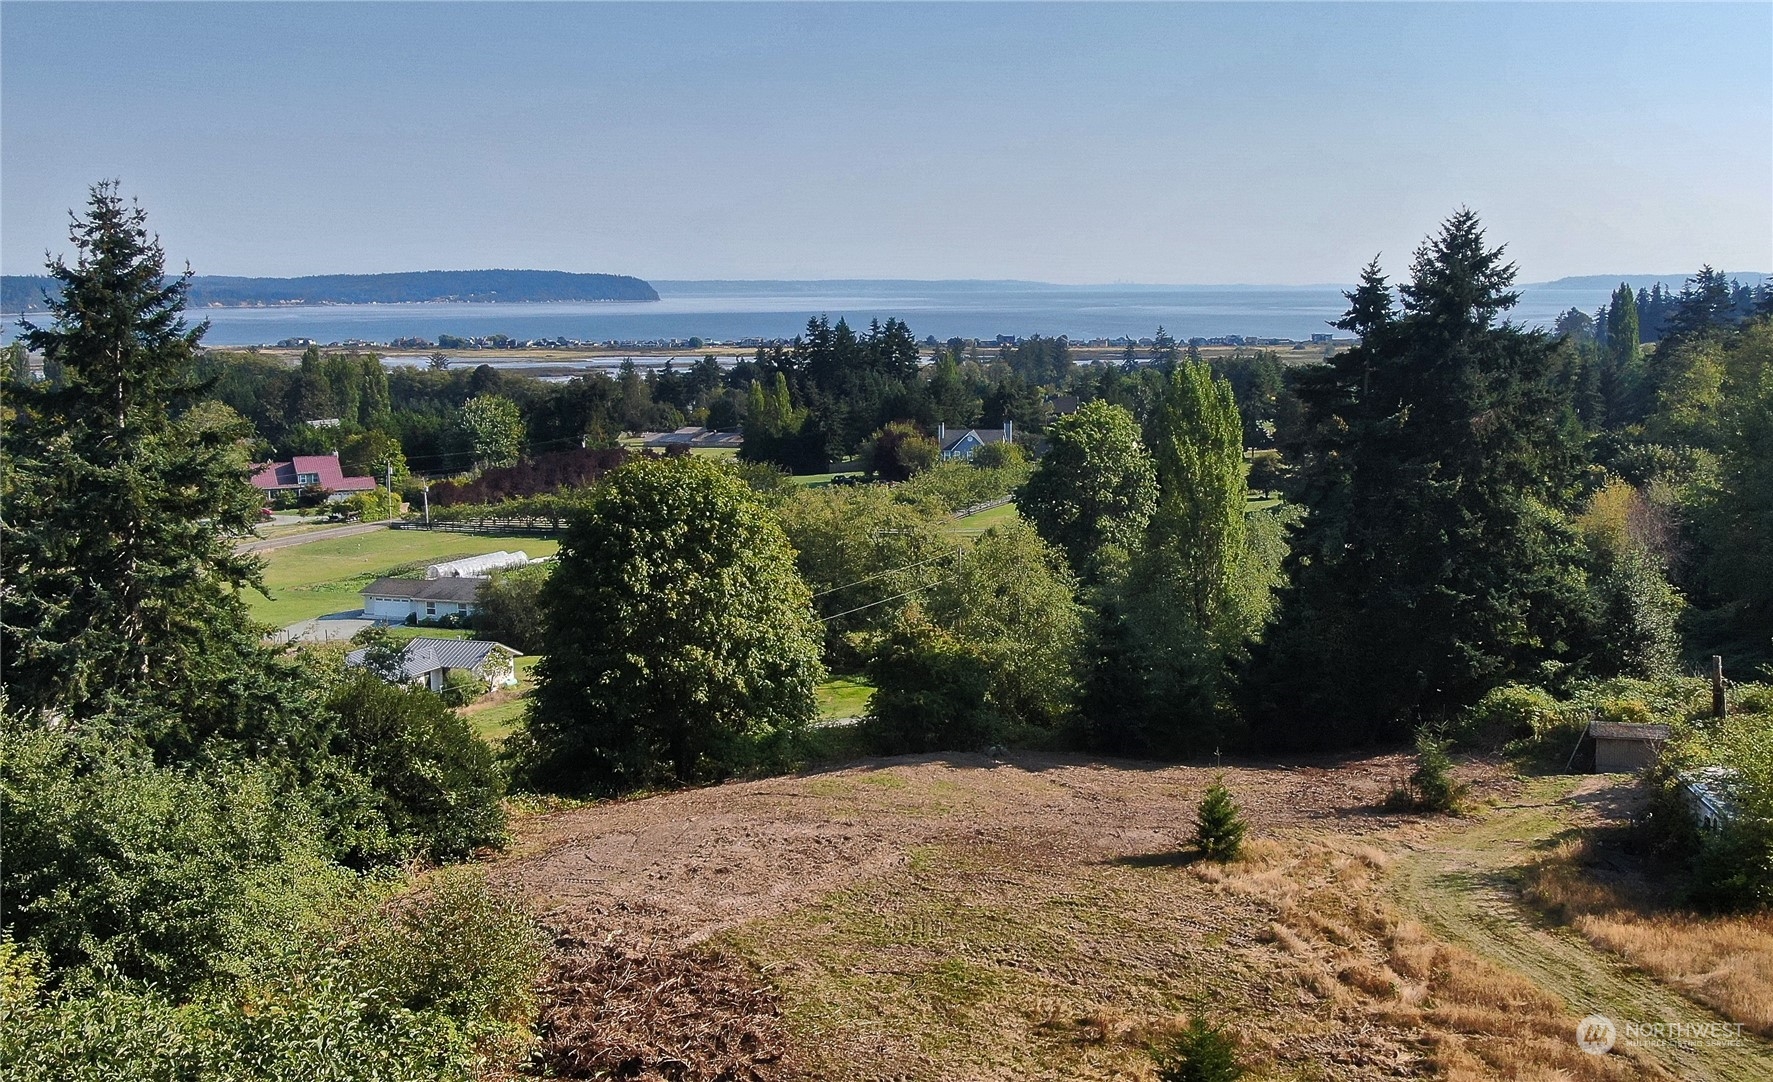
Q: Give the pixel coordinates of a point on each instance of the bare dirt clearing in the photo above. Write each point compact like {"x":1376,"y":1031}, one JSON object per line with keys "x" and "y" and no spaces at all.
{"x":1038,"y":917}
{"x":684,"y":866}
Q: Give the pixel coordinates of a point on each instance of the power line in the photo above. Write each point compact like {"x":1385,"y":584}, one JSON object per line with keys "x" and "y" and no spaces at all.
{"x":883,"y":574}
{"x":884,"y":600}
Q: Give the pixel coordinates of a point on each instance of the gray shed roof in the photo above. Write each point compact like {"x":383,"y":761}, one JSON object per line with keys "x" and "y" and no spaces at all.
{"x":1619,"y":730}
{"x":462,"y":588}
{"x":424,"y":655}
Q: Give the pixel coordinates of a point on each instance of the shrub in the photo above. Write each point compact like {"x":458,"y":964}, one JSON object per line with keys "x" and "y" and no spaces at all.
{"x":899,"y":451}
{"x":1511,"y":714}
{"x":1732,"y":864}
{"x":115,"y":864}
{"x":456,"y":946}
{"x":461,"y":687}
{"x":930,"y":691}
{"x":436,"y":781}
{"x":997,"y":456}
{"x":1431,"y":786}
{"x":510,"y":609}
{"x":1201,"y":1053}
{"x":1218,"y":824}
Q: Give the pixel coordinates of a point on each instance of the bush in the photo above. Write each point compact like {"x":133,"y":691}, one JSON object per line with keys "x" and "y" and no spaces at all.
{"x":461,"y":687}
{"x":115,"y":864}
{"x":510,"y":609}
{"x":435,"y":780}
{"x":1201,"y":1053}
{"x":436,"y":984}
{"x":1218,"y":824}
{"x":1431,"y":786}
{"x":457,"y":947}
{"x":1510,"y":715}
{"x":899,"y":451}
{"x":997,"y":456}
{"x":930,"y":691}
{"x":1733,"y":864}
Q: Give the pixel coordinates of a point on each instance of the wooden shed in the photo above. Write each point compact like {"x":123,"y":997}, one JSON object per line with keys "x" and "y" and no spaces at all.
{"x":1622,"y":748}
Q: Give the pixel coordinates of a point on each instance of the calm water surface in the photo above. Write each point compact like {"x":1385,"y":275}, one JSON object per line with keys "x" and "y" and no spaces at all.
{"x":731,"y":311}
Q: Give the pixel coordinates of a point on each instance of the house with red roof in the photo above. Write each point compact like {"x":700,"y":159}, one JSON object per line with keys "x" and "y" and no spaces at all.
{"x":308,"y":471}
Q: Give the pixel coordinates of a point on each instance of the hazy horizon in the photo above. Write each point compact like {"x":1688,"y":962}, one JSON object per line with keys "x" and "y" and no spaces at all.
{"x":1111,"y":145}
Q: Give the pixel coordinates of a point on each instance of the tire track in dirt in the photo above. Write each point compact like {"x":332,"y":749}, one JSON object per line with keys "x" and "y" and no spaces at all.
{"x":1461,"y":883}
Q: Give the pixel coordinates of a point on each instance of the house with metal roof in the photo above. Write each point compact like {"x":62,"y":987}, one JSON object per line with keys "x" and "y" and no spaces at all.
{"x":308,"y":471}
{"x":964,"y":442}
{"x":393,"y":600}
{"x":429,"y":661}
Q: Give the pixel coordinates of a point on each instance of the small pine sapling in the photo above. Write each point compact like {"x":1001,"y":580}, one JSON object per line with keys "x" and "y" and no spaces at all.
{"x":1201,"y":1053}
{"x":1218,"y":824}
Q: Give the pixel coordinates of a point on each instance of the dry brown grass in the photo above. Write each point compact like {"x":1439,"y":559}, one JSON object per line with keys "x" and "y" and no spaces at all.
{"x":1379,"y":970}
{"x":1722,"y":961}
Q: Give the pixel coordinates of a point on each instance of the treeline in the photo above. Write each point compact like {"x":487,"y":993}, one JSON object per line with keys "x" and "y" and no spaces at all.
{"x":21,"y":293}
{"x":1451,"y":524}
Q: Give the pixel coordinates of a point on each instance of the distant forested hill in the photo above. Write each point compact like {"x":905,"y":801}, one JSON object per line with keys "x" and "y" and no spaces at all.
{"x":20,"y":293}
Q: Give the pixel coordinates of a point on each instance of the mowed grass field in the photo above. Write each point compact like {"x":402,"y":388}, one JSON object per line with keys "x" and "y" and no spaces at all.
{"x":977,"y":523}
{"x":321,"y":577}
{"x":1028,"y":916}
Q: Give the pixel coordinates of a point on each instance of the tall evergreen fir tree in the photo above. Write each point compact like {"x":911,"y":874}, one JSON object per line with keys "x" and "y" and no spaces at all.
{"x":121,"y":582}
{"x":1432,"y":561}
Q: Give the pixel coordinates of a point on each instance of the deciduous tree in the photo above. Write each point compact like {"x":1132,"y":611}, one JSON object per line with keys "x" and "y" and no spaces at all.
{"x":679,"y":639}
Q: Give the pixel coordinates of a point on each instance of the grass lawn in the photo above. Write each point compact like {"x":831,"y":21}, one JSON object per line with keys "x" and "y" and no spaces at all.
{"x":975,"y":524}
{"x":497,"y":715}
{"x":844,"y":697}
{"x":323,"y":577}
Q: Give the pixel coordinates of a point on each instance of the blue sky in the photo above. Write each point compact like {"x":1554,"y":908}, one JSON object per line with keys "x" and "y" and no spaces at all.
{"x":1070,"y":143}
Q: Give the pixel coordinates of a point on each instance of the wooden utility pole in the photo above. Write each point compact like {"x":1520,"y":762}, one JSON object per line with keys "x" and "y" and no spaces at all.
{"x":1717,"y":686}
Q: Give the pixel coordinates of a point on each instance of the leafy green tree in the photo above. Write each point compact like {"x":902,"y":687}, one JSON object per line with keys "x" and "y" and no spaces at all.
{"x":372,"y":454}
{"x":508,"y":609}
{"x":495,"y":430}
{"x":900,"y":451}
{"x":1197,"y":529}
{"x":1012,"y":600}
{"x":680,"y":637}
{"x":998,"y":456}
{"x":1636,"y":609}
{"x":931,"y":691}
{"x":1094,"y":488}
{"x":122,"y":587}
{"x":1434,"y":560}
{"x":1736,"y":514}
{"x":865,"y":555}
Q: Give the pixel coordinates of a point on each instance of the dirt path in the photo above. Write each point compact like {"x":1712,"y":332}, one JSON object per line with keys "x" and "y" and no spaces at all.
{"x":1461,"y":883}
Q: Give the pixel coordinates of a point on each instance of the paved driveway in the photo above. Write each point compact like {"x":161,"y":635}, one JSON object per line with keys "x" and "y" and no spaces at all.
{"x":335,"y":627}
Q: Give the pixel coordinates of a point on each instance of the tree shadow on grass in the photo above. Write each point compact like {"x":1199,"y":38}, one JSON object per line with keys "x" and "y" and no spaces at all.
{"x":1175,"y":858}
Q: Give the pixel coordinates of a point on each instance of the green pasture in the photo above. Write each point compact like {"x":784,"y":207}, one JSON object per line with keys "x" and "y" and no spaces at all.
{"x":321,"y":577}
